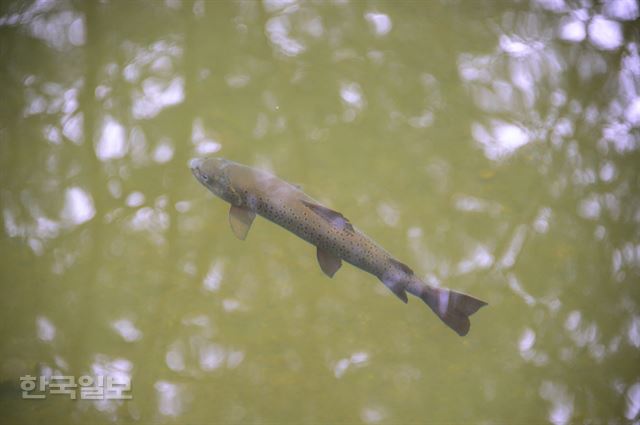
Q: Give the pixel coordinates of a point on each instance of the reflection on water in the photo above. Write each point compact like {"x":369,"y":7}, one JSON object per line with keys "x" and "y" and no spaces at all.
{"x":491,"y":146}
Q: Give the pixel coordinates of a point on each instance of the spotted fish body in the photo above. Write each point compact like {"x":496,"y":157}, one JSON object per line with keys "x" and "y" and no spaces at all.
{"x":254,"y":192}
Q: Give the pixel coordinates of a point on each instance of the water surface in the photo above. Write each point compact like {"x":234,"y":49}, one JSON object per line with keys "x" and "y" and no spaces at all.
{"x":492,"y":146}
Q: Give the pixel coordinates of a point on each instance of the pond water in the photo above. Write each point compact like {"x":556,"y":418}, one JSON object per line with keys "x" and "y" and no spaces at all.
{"x":491,"y":146}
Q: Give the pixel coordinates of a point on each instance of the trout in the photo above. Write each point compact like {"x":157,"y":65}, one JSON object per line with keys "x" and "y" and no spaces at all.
{"x":252,"y":192}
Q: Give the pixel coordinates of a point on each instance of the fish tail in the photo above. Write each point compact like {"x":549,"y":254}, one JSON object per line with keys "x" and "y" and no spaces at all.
{"x":453,"y":308}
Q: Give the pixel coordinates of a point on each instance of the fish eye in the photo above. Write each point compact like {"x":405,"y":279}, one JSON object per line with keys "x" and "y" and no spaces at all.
{"x":205,"y":177}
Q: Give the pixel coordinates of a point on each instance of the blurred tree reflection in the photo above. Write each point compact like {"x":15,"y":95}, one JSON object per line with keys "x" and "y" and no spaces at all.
{"x":516,"y":130}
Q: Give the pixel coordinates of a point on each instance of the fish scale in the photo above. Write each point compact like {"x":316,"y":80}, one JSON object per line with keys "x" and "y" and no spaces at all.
{"x":352,"y":246}
{"x":252,"y":192}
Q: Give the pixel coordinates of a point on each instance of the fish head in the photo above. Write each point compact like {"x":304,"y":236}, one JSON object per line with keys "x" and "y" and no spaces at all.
{"x":214,"y":174}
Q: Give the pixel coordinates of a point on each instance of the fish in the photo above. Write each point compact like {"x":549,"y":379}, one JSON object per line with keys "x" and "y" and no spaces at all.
{"x":251,"y":191}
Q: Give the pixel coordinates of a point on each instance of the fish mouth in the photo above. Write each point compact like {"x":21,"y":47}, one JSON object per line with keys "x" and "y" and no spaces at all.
{"x":194,"y":163}
{"x":208,"y":170}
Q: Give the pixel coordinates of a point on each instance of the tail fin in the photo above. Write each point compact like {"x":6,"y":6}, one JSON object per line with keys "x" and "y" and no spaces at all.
{"x":453,"y":308}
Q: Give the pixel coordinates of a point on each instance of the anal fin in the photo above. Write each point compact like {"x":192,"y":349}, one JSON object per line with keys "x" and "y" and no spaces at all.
{"x":329,"y":263}
{"x":397,"y":287}
{"x":240,"y":220}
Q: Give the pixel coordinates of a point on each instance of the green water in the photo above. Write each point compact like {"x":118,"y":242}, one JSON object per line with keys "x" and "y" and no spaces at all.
{"x":490,"y":145}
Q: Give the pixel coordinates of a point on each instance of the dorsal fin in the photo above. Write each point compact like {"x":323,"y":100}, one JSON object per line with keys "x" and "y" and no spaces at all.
{"x":402,"y":266}
{"x":333,"y":217}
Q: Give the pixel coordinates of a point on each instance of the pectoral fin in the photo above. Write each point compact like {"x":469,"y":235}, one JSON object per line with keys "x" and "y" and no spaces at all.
{"x":240,"y":220}
{"x":329,"y":263}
